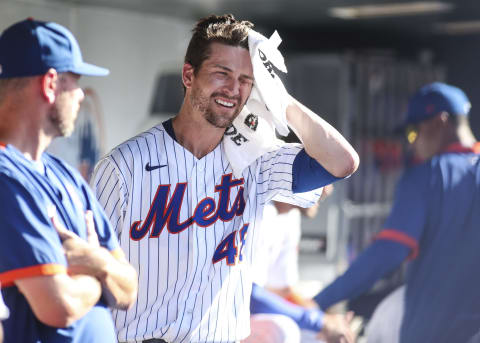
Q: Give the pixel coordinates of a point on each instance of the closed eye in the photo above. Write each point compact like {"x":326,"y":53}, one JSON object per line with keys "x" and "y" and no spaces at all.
{"x":221,"y":74}
{"x":247,"y":81}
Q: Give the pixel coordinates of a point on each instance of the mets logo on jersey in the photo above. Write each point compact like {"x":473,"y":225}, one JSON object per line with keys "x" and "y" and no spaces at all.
{"x":251,"y":121}
{"x":165,"y":212}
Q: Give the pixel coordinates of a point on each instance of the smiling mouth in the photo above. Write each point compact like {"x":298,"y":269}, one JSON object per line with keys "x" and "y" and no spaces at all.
{"x":224,"y":103}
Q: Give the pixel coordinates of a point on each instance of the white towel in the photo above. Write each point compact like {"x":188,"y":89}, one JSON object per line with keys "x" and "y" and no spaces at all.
{"x":264,"y":53}
{"x":251,"y":135}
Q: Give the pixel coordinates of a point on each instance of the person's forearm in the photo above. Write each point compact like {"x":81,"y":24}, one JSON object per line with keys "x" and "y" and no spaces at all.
{"x":82,"y":292}
{"x":59,"y":300}
{"x":322,"y":141}
{"x":119,"y":283}
{"x":377,"y":260}
{"x":117,"y":276}
{"x":263,"y":301}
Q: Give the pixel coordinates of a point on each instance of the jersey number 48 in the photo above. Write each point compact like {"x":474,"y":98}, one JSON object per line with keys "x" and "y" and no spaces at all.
{"x":228,"y":249}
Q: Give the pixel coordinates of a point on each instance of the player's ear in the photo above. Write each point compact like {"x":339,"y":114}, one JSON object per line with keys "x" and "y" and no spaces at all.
{"x":187,"y":75}
{"x":444,"y":117}
{"x":49,"y":84}
{"x":439,"y":121}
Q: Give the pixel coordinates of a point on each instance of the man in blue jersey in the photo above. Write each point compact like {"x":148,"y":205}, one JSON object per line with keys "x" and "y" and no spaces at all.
{"x":60,"y":262}
{"x":433,"y":223}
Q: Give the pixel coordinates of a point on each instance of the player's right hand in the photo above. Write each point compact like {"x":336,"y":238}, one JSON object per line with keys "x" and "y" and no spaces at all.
{"x":336,"y":328}
{"x":83,"y":257}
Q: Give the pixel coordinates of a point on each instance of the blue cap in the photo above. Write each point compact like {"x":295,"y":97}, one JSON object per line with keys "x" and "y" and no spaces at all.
{"x":435,"y":98}
{"x":31,"y":47}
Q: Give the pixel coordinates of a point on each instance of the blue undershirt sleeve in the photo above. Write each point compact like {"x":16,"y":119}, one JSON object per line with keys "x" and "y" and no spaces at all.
{"x":308,"y":174}
{"x":263,"y":301}
{"x":378,"y":259}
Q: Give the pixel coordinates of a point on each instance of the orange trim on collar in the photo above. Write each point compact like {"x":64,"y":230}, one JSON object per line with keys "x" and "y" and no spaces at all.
{"x":3,"y":145}
{"x":402,"y":238}
{"x":7,"y":278}
{"x":457,"y":147}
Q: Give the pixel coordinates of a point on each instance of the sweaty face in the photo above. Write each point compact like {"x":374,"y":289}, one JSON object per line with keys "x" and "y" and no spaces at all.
{"x":222,"y":84}
{"x":64,"y":112}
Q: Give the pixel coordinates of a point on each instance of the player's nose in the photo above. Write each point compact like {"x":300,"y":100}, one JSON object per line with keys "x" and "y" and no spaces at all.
{"x":232,"y":86}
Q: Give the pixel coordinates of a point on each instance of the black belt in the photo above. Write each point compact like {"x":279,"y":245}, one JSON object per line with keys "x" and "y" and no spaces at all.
{"x":155,"y":340}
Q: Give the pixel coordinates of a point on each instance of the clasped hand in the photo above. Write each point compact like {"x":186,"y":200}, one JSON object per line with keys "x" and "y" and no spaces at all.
{"x":85,"y":257}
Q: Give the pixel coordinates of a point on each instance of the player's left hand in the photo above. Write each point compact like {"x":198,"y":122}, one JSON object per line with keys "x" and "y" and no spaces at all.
{"x":336,"y":328}
{"x":84,"y":257}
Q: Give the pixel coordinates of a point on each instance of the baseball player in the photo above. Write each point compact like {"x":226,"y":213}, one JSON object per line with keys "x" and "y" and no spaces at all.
{"x":55,"y":292}
{"x":433,"y":223}
{"x":183,"y":219}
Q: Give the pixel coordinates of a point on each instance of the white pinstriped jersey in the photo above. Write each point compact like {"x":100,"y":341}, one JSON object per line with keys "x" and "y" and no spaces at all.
{"x":187,"y":226}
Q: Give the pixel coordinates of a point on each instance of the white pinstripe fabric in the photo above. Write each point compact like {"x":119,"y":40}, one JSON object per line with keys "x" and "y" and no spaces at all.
{"x":184,"y":296}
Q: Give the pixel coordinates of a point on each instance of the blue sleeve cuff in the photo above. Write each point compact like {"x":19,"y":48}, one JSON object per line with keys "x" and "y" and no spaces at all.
{"x":263,"y":301}
{"x":311,"y":320}
{"x":308,"y":174}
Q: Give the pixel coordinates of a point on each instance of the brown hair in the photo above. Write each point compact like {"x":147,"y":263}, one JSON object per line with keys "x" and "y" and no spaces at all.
{"x":9,"y":85}
{"x":223,"y":29}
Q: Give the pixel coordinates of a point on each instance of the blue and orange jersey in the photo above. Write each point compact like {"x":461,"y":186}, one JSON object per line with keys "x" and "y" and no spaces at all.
{"x":419,"y":191}
{"x":433,"y":223}
{"x":436,"y":214}
{"x":31,"y":190}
